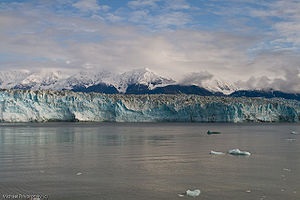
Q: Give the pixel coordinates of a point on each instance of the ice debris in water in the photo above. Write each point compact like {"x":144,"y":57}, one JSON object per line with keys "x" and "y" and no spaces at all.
{"x":290,"y":139}
{"x":238,"y":152}
{"x":286,"y":169}
{"x":78,"y":174}
{"x":191,"y":193}
{"x":216,"y":153}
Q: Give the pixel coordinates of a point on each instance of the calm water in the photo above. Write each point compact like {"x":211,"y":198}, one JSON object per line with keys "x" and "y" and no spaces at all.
{"x":149,"y":161}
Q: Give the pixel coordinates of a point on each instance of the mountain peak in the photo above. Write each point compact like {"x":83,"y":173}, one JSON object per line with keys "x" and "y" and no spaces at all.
{"x":142,"y":76}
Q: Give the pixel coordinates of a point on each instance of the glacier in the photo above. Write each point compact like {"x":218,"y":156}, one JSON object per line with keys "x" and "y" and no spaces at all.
{"x":43,"y":106}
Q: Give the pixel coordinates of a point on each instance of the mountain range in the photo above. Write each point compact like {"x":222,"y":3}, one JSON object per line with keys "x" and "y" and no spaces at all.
{"x":139,"y":81}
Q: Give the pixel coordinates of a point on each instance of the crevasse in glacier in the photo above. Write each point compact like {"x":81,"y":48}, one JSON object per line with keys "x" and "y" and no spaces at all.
{"x":40,"y":106}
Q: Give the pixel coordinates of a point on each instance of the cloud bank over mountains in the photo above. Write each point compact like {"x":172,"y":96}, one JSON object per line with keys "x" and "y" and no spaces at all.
{"x":254,"y":43}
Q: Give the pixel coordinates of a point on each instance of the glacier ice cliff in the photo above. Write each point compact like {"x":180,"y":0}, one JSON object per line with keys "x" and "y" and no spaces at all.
{"x":41,"y":106}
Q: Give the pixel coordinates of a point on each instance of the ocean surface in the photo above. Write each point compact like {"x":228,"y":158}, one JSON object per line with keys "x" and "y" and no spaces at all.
{"x":151,"y":161}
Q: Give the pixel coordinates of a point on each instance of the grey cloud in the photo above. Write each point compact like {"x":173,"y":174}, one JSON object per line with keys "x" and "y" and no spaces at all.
{"x":290,"y":82}
{"x":196,"y":78}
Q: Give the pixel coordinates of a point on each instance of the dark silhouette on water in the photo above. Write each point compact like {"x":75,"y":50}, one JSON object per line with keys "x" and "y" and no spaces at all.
{"x":213,"y":132}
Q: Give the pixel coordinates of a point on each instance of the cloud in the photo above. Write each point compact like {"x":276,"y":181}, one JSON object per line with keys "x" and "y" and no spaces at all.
{"x":290,"y":82}
{"x":161,"y":35}
{"x":143,"y":3}
{"x":285,"y":18}
{"x":90,"y":6}
{"x":158,"y":14}
{"x":196,"y":78}
{"x":178,"y":5}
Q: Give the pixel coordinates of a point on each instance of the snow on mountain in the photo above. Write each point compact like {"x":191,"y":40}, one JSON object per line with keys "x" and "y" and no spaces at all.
{"x":219,"y":85}
{"x":41,"y":80}
{"x":209,"y":82}
{"x":8,"y":79}
{"x":142,"y":77}
{"x":59,"y":80}
{"x":86,"y":79}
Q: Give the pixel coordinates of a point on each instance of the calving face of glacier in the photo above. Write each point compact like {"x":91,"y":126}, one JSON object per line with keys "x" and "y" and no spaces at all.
{"x":40,"y":106}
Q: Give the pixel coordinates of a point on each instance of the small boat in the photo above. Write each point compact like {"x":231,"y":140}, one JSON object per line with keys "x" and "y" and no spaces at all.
{"x":213,"y":132}
{"x":294,"y":133}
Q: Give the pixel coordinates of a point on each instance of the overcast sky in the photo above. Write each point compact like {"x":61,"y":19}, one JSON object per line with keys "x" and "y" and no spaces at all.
{"x":255,"y":42}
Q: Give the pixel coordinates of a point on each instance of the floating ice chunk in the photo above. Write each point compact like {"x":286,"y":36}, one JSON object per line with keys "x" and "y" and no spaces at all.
{"x":78,"y":174}
{"x":286,"y":169}
{"x":191,"y":193}
{"x":294,"y":133}
{"x":238,"y":152}
{"x":290,"y":139}
{"x":263,"y":197}
{"x":216,"y":153}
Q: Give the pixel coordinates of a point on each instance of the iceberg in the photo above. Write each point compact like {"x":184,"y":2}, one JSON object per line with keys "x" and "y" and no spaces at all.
{"x":238,"y":152}
{"x":43,"y":106}
{"x":216,"y":153}
{"x":191,"y":193}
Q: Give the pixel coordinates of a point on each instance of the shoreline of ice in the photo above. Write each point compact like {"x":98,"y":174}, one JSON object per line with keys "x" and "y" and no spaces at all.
{"x":45,"y":106}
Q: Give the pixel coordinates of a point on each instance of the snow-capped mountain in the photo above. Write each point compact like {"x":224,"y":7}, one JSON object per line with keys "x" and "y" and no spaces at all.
{"x":41,"y":80}
{"x":9,"y":79}
{"x":85,"y":79}
{"x":140,"y":77}
{"x":59,"y":80}
{"x":219,"y":85}
{"x":209,"y":82}
{"x":139,"y":81}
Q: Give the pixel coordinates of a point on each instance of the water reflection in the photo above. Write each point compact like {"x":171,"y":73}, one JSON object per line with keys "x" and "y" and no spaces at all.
{"x":147,"y":161}
{"x":108,"y":136}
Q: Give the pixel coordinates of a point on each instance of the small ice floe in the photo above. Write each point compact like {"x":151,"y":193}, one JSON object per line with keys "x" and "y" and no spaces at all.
{"x":248,"y":191}
{"x":238,"y":152}
{"x":78,"y":174}
{"x":191,"y":193}
{"x":216,"y":153}
{"x":286,"y":169}
{"x":290,"y":139}
{"x":263,"y":197}
{"x":294,"y":132}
